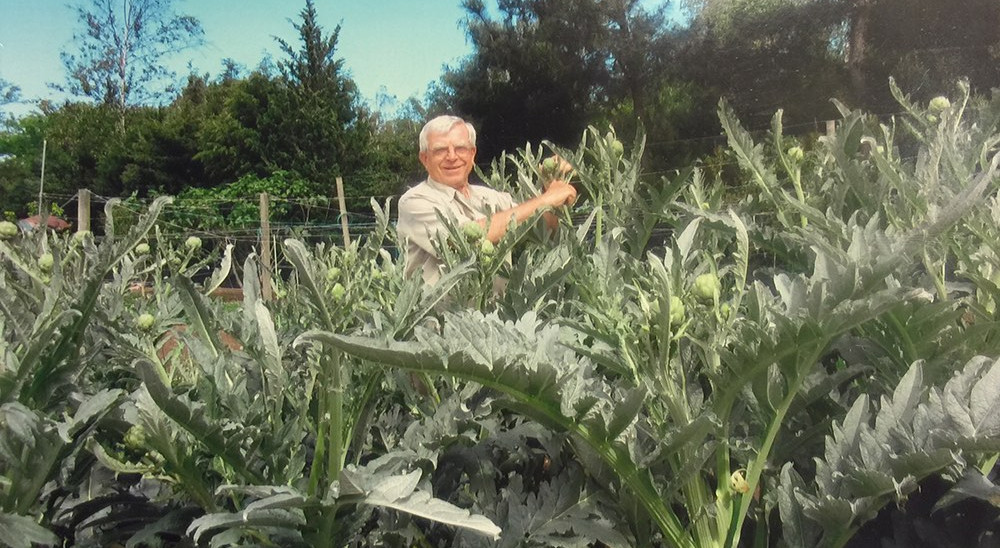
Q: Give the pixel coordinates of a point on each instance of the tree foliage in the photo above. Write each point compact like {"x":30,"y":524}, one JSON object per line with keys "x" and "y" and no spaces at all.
{"x":327,"y":134}
{"x":9,"y":93}
{"x":122,"y":49}
{"x":545,"y":69}
{"x":301,"y":119}
{"x":797,"y":55}
{"x":762,"y":56}
{"x":927,"y":45}
{"x":539,"y":70}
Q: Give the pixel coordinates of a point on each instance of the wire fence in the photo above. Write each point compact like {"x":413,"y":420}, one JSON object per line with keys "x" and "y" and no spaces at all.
{"x":316,"y":219}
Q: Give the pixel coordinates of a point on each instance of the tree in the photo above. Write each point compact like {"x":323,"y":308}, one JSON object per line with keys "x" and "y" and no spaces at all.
{"x":391,"y":159}
{"x":545,"y":69}
{"x":9,"y":93}
{"x":764,"y":56}
{"x":536,"y":72}
{"x":121,"y":50}
{"x":857,"y":44}
{"x":80,"y":138}
{"x":239,"y":121}
{"x":925,"y":45}
{"x":637,"y":43}
{"x":300,"y":117}
{"x":796,"y":55}
{"x":320,"y":133}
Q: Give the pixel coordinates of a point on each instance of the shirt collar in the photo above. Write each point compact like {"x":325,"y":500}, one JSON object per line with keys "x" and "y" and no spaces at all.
{"x":443,"y":188}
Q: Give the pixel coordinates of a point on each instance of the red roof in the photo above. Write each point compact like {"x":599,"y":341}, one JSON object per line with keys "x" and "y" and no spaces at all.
{"x":54,"y":222}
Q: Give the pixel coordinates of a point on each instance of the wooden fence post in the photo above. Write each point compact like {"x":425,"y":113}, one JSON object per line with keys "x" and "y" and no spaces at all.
{"x":265,"y":248}
{"x":82,"y":210}
{"x":43,"y":216}
{"x":343,"y":211}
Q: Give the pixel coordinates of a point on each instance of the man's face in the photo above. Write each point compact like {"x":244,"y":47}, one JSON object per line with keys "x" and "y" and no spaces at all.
{"x":449,"y":157}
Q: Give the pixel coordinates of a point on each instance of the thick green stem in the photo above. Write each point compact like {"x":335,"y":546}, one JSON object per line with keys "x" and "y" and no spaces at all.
{"x":938,"y":279}
{"x":319,"y":452}
{"x":32,"y":493}
{"x":637,"y":480}
{"x":600,"y":220}
{"x":189,"y":480}
{"x":988,"y":464}
{"x":723,"y":498}
{"x":640,"y":484}
{"x":707,"y":532}
{"x":797,"y":183}
{"x":330,"y":436}
{"x":335,"y":409}
{"x":699,"y":499}
{"x":844,"y":537}
{"x":356,"y":432}
{"x":756,"y":468}
{"x":154,"y":359}
{"x":909,"y":349}
{"x":324,"y":536}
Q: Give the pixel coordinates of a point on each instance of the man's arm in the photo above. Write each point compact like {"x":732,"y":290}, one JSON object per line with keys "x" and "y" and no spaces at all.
{"x":558,"y":194}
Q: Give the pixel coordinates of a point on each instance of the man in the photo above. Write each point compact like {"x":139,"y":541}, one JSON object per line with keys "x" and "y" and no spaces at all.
{"x":448,"y":153}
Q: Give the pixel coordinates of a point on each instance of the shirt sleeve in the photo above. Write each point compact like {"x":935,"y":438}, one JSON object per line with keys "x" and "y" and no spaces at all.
{"x":418,"y":223}
{"x":495,"y":201}
{"x":506,"y":201}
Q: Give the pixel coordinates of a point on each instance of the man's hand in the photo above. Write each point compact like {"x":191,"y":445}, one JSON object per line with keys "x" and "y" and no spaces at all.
{"x":554,"y":168}
{"x":560,"y":193}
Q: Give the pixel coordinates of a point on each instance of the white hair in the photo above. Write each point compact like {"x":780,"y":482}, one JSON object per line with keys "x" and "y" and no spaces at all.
{"x":443,"y":124}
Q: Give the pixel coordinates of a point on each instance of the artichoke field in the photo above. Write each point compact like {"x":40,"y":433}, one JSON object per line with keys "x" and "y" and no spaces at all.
{"x":768,"y":352}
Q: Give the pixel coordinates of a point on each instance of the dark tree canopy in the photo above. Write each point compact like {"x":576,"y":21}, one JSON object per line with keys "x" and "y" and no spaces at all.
{"x":539,"y":71}
{"x":322,"y":133}
{"x":544,"y":69}
{"x":767,"y":56}
{"x":927,"y":45}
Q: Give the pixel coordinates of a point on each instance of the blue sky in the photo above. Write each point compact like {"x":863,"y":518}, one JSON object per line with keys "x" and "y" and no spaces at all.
{"x":391,"y":46}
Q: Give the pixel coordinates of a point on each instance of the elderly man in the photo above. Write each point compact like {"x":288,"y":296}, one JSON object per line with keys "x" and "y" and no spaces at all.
{"x":448,"y":153}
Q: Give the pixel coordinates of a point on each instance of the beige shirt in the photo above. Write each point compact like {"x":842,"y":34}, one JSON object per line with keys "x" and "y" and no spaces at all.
{"x":418,"y":219}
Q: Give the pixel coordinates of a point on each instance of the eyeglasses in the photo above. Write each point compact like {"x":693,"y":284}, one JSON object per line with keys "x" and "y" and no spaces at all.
{"x":441,"y":152}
